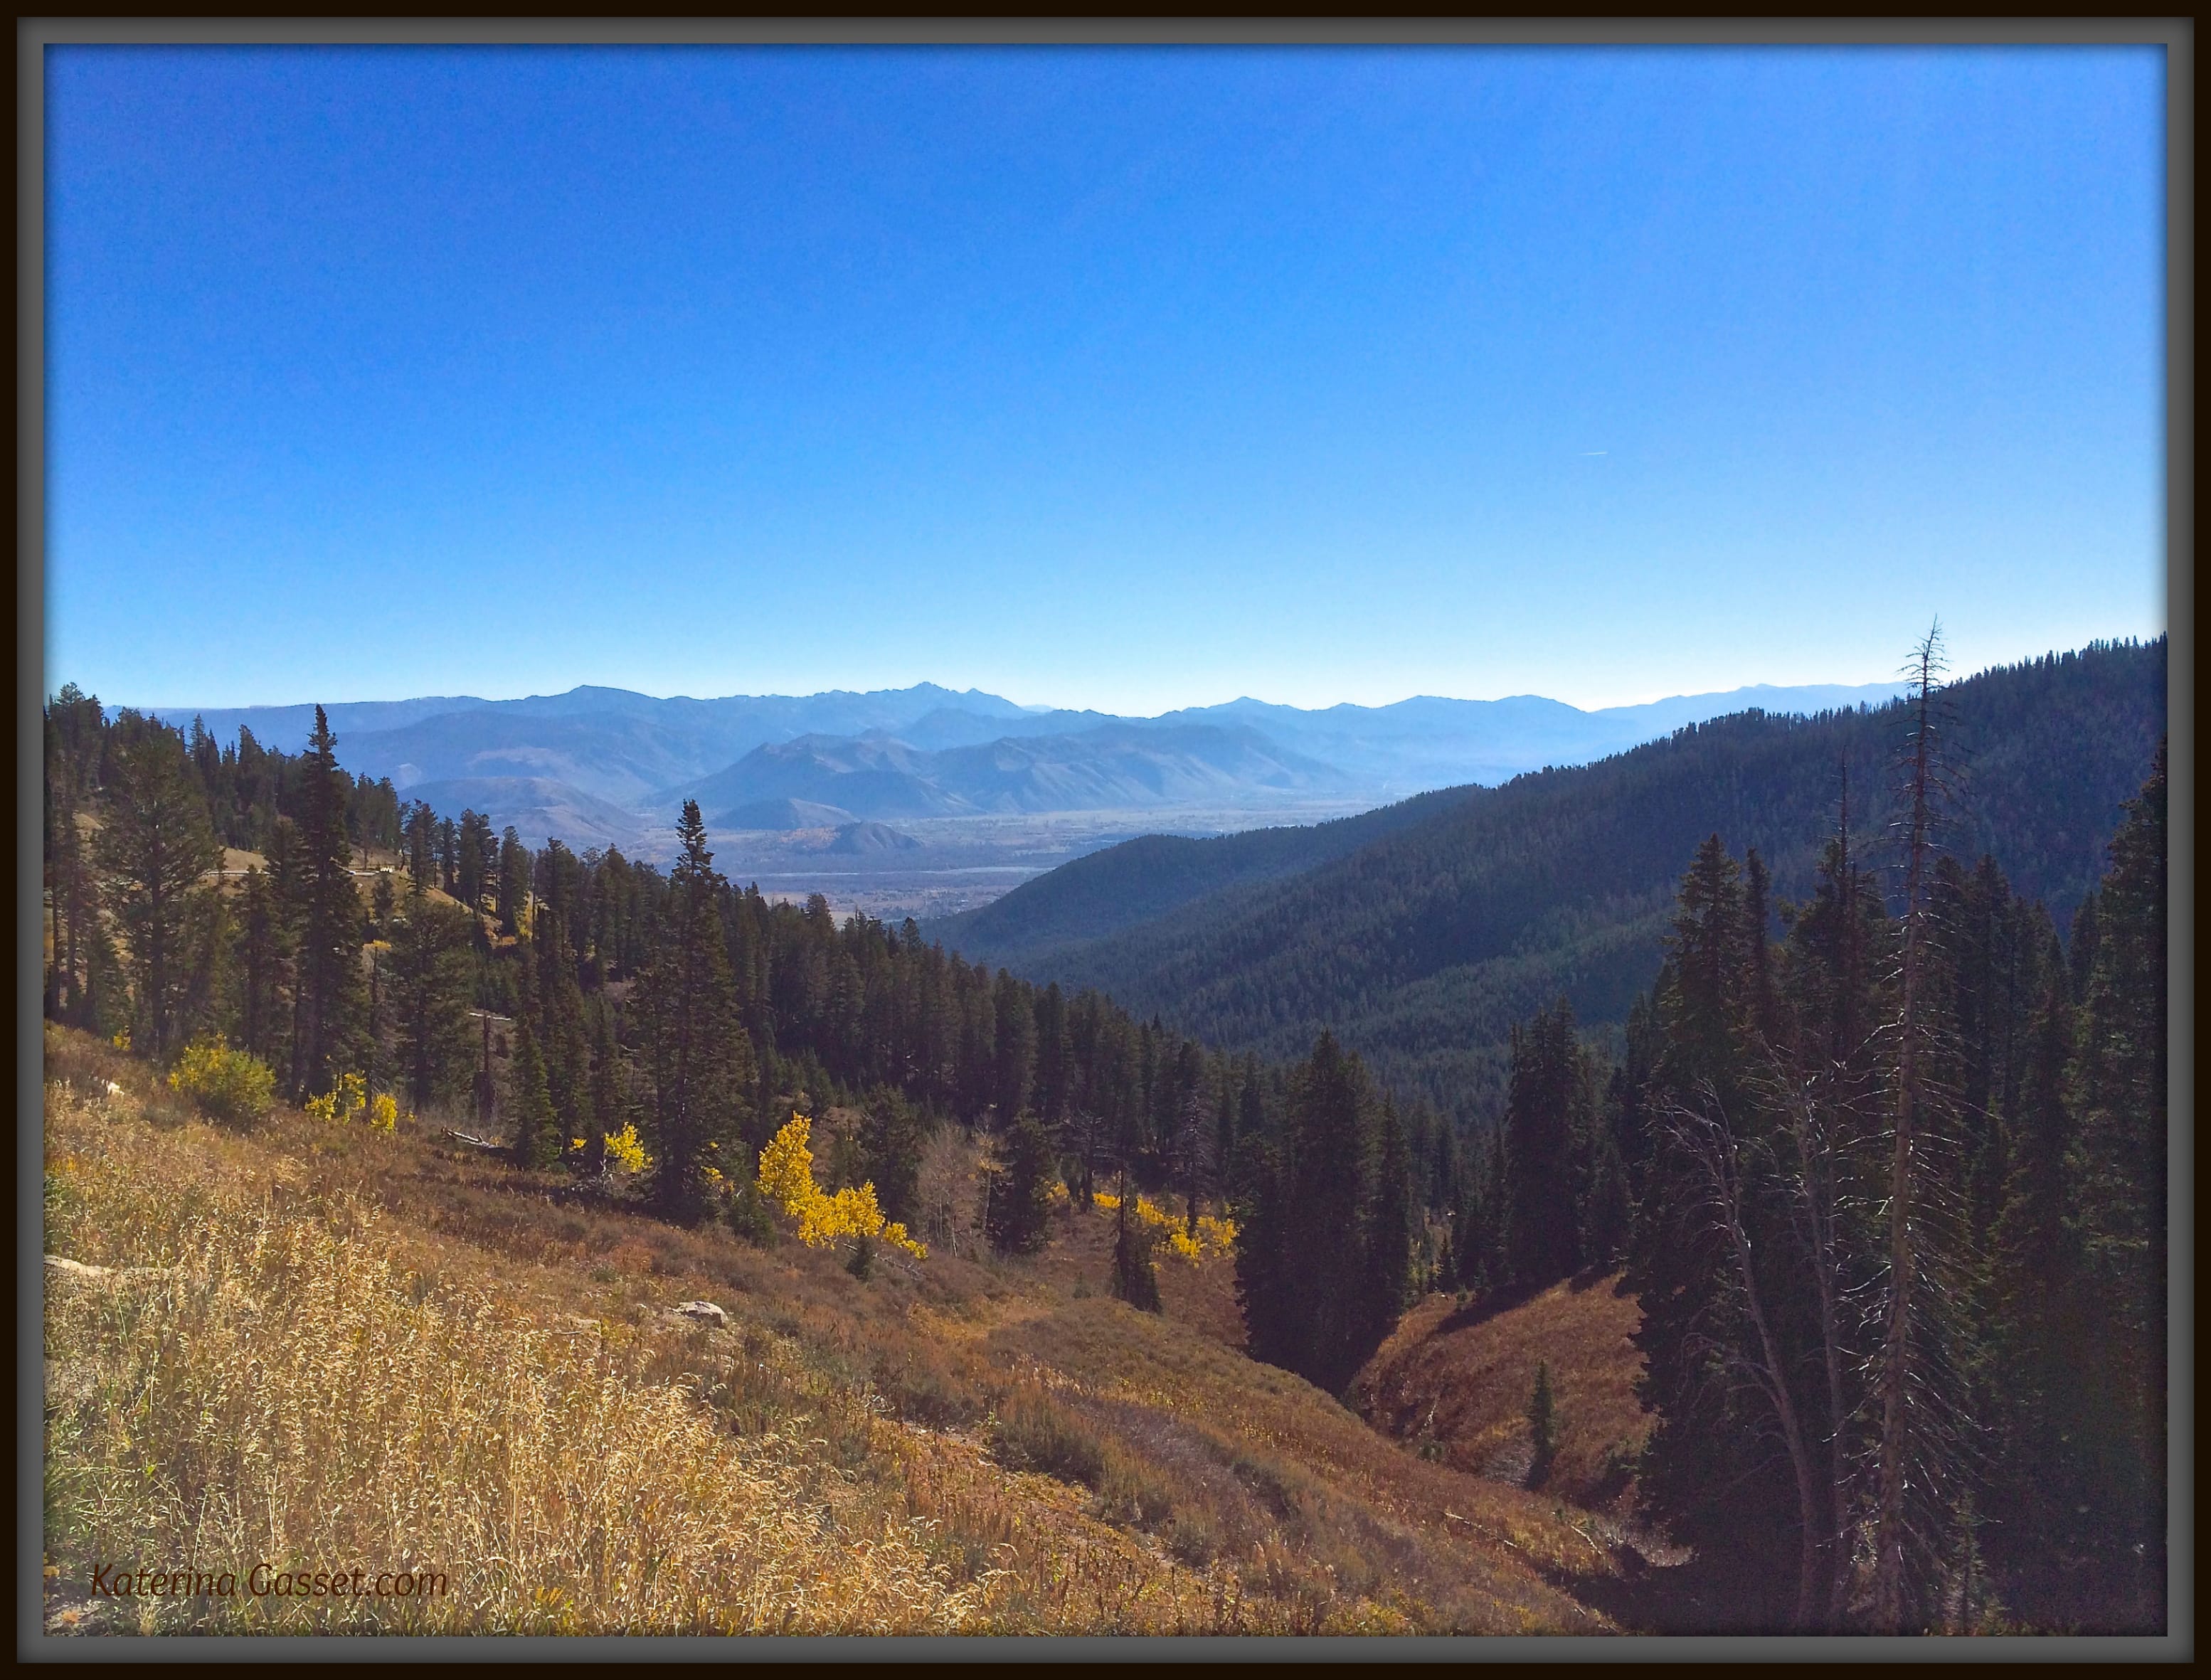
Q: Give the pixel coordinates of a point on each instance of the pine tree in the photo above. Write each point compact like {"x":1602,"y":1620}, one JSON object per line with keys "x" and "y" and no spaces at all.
{"x":1542,"y":1427}
{"x":1316,"y":1258}
{"x":1547,"y":1082}
{"x":610,"y":1106}
{"x":1725,"y":1258}
{"x":1385,"y":1234}
{"x":700,"y":1057}
{"x":262,"y":968}
{"x":2041,"y":1479}
{"x":1607,"y":1213}
{"x":1135,"y":1280}
{"x":892,"y":1134}
{"x":431,"y":975}
{"x":561,"y":1031}
{"x":2117,"y":1168}
{"x":514,"y":875}
{"x":1013,"y":1055}
{"x":537,"y":1140}
{"x":1016,"y":1217}
{"x":328,"y":1041}
{"x":151,"y":856}
{"x":1915,"y":1472}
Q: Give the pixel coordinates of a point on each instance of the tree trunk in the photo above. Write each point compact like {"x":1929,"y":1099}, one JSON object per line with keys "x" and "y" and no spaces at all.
{"x":1899,"y":1353}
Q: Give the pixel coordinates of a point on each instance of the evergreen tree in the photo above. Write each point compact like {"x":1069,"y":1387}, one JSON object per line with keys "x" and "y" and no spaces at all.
{"x":1731,"y":1368}
{"x":1135,"y":1280}
{"x":151,"y":856}
{"x":698,"y":1055}
{"x":2041,"y":1487}
{"x":262,"y":968}
{"x":1321,"y":1241}
{"x":1607,"y":1213}
{"x":1386,"y":1235}
{"x":561,"y":1031}
{"x":1542,"y":1427}
{"x":609,"y":1106}
{"x":892,"y":1134}
{"x":1544,"y":1112}
{"x":1054,"y":1069}
{"x":2117,"y":1168}
{"x":537,"y":1140}
{"x":514,"y":876}
{"x":431,"y":974}
{"x":329,"y":1002}
{"x":1016,"y":1216}
{"x":1014,"y":1051}
{"x":1915,"y":1473}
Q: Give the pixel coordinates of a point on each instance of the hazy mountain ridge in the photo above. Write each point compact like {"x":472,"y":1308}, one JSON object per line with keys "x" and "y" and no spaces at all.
{"x":1115,"y":766}
{"x":931,"y":751}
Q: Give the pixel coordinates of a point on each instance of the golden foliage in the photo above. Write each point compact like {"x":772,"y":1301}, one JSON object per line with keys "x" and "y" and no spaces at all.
{"x":624,"y":1150}
{"x":1215,"y":1236}
{"x":346,"y":1100}
{"x":786,"y":1177}
{"x":228,"y":1084}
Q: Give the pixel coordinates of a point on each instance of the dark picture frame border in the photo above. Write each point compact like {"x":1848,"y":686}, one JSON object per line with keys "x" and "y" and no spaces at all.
{"x":2175,"y":36}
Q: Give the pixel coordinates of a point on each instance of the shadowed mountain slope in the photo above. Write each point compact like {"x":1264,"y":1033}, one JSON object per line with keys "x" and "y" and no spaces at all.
{"x":1421,"y":946}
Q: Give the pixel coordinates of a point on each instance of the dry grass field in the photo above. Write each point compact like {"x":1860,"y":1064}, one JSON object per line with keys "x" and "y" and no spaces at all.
{"x":325,"y":1349}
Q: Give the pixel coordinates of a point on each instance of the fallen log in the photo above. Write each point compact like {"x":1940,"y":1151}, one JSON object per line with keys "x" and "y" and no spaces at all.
{"x":449,"y":1133}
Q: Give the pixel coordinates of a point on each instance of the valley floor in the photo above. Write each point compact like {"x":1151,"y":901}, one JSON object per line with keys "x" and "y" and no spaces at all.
{"x":323,"y":1349}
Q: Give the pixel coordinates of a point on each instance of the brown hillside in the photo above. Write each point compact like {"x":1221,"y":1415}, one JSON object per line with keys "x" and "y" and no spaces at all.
{"x":1460,"y":1378}
{"x":325,"y":1341}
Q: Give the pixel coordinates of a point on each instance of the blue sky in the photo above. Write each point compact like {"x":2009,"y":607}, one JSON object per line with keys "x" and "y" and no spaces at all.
{"x":1129,"y":380}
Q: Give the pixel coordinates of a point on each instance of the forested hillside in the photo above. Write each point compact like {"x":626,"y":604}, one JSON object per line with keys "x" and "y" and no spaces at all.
{"x":1126,"y":886}
{"x":1421,"y":947}
{"x":1892,"y":1190}
{"x":580,"y":1012}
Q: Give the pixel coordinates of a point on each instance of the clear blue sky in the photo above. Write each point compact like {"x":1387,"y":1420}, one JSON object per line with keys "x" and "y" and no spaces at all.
{"x":1129,"y":380}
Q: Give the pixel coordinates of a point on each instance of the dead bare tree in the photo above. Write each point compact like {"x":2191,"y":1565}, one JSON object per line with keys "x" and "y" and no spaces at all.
{"x":1912,"y":1440}
{"x":1706,"y":1141}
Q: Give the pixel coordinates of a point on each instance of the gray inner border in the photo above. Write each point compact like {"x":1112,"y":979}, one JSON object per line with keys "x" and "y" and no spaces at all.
{"x":2175,"y":35}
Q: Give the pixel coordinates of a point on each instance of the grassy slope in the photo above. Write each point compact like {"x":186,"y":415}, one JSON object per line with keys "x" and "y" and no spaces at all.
{"x":1460,"y":1377}
{"x":389,"y":1352}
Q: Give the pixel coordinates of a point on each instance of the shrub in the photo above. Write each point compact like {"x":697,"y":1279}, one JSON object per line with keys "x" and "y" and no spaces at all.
{"x":346,"y":1100}
{"x":1192,"y":1540}
{"x":1033,"y":1433}
{"x":924,"y":1389}
{"x":229,"y":1084}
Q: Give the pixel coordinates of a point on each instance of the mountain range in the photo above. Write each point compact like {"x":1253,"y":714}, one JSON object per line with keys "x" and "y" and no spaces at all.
{"x":599,"y":766}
